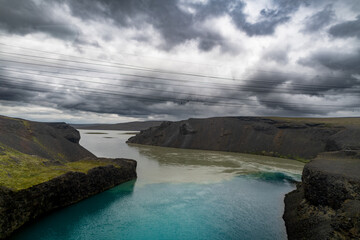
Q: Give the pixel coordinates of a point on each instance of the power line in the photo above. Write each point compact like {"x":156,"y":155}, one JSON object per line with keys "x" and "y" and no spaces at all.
{"x":180,"y":99}
{"x":144,"y":88}
{"x":245,"y":88}
{"x":122,"y":94}
{"x":161,"y":78}
{"x":122,"y":53}
{"x":221,"y":77}
{"x":132,"y":67}
{"x":135,"y":87}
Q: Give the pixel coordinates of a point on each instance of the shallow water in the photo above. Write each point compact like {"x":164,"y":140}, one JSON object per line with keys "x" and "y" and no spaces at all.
{"x":179,"y":194}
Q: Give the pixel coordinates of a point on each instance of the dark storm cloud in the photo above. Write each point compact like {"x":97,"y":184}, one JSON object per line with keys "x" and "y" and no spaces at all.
{"x":333,"y":60}
{"x":346,"y":29}
{"x":12,"y":90}
{"x":11,"y":93}
{"x":127,"y":101}
{"x":26,"y":16}
{"x":336,"y":77}
{"x":177,"y":25}
{"x":269,"y":18}
{"x":319,"y":20}
{"x":271,"y":90}
{"x":167,"y":16}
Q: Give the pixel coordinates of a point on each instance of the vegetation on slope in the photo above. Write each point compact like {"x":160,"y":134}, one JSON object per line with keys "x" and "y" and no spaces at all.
{"x":32,"y":153}
{"x":341,"y":121}
{"x":19,"y":170}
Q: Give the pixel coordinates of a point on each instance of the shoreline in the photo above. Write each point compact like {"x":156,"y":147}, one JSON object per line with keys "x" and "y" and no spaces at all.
{"x":44,"y":168}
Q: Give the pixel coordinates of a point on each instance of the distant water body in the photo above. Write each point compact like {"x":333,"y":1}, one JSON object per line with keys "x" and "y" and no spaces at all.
{"x":179,"y":194}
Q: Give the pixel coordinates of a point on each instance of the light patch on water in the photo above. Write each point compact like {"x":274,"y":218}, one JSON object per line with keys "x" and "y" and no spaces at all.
{"x":179,"y":194}
{"x":174,"y":165}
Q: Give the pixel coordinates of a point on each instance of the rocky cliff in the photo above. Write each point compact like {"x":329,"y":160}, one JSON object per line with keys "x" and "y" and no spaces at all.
{"x":326,"y":205}
{"x":44,"y":168}
{"x":281,"y":137}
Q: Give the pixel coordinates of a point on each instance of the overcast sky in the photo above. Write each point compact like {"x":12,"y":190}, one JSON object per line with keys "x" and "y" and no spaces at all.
{"x":85,"y":61}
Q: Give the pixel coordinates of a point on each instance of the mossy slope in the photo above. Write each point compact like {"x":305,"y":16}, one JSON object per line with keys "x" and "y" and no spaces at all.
{"x":43,"y":167}
{"x":19,"y":170}
{"x":32,"y":152}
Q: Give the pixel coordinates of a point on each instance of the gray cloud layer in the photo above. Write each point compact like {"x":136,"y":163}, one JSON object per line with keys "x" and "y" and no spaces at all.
{"x":320,"y":19}
{"x":24,"y":17}
{"x":346,"y":29}
{"x":177,"y":22}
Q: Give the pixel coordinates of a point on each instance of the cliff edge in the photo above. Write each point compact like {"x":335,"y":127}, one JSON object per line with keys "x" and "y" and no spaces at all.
{"x":43,"y":168}
{"x":280,"y":137}
{"x":326,"y":205}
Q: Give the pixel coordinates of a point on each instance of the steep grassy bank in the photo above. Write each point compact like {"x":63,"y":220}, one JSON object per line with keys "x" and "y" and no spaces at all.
{"x":43,"y":167}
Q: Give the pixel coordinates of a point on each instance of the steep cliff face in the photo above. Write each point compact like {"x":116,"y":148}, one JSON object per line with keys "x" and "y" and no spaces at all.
{"x":19,"y":207}
{"x":278,"y":137}
{"x":326,"y":205}
{"x":53,"y":141}
{"x":43,"y":168}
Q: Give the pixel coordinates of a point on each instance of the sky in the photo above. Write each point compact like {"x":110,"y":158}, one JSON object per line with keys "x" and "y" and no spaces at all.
{"x":109,"y":61}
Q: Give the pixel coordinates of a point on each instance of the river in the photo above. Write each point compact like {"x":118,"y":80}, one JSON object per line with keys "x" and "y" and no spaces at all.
{"x":179,"y":194}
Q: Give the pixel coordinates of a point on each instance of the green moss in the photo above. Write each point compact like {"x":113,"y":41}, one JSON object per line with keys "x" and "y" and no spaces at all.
{"x":58,"y":156}
{"x":328,"y":122}
{"x":20,"y":171}
{"x":26,"y":124}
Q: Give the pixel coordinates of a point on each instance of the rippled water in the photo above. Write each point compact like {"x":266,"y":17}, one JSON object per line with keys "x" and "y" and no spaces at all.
{"x":179,"y":194}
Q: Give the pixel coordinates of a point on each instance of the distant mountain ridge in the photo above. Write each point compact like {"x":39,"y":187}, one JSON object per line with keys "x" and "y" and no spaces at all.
{"x":128,"y":126}
{"x":297,"y":138}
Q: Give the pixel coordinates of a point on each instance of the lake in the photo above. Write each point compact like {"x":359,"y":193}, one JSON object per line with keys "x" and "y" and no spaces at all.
{"x":179,"y":194}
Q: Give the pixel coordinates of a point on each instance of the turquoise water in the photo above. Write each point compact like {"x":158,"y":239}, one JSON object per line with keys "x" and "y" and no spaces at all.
{"x":220,"y":204}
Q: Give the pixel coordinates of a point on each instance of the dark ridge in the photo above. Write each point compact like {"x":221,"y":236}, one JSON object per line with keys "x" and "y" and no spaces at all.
{"x":129,"y":126}
{"x":280,"y":137}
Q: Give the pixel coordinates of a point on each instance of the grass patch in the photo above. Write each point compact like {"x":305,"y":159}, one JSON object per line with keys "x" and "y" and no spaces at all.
{"x":19,"y":171}
{"x":341,"y":121}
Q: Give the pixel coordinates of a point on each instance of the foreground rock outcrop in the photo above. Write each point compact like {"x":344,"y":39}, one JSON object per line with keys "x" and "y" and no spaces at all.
{"x":44,"y":168}
{"x":326,"y":205}
{"x":281,"y":137}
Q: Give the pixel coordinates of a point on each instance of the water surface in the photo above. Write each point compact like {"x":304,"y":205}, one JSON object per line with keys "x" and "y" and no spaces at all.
{"x":179,"y":194}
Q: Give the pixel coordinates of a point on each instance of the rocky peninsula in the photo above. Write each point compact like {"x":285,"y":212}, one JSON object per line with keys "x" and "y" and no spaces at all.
{"x":326,"y":205}
{"x":43,"y":168}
